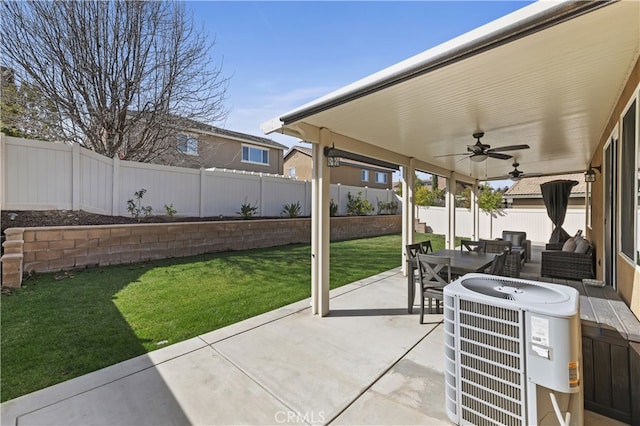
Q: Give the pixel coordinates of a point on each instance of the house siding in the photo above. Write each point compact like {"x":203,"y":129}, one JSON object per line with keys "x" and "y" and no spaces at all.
{"x":346,"y":174}
{"x":220,"y":152}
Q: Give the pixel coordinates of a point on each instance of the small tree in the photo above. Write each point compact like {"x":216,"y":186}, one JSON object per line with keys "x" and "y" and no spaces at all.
{"x":426,"y":197}
{"x":135,"y":207}
{"x":489,"y":201}
{"x":357,"y":206}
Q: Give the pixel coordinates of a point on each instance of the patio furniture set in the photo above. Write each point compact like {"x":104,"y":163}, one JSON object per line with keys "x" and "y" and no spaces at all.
{"x":436,"y":269}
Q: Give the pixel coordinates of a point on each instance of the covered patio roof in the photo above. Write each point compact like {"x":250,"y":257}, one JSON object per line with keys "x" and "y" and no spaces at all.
{"x":547,"y":75}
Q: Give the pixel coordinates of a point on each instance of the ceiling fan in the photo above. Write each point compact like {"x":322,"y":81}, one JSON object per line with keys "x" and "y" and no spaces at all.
{"x":479,"y":151}
{"x":516,"y":174}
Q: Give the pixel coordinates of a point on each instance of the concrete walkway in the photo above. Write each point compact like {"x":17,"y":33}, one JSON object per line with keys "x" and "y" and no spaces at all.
{"x":369,"y":362}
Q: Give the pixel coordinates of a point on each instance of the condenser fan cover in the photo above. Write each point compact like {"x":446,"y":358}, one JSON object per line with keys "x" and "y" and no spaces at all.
{"x":514,"y":290}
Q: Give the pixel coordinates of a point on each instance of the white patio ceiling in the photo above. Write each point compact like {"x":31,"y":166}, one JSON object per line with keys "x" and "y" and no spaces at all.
{"x":553,"y":89}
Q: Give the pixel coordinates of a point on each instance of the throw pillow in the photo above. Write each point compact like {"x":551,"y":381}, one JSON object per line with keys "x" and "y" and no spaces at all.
{"x":570,"y":245}
{"x":582,"y":246}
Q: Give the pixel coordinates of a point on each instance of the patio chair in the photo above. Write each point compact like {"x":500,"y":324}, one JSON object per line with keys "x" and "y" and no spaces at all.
{"x":469,"y":245}
{"x":412,"y":250}
{"x":497,"y":246}
{"x":435,"y":274}
{"x":426,"y":247}
{"x":497,"y":267}
{"x":519,"y":242}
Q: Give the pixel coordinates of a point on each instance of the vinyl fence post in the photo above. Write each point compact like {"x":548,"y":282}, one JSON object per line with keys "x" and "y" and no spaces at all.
{"x":75,"y":177}
{"x":115,"y":187}
{"x":201,"y":200}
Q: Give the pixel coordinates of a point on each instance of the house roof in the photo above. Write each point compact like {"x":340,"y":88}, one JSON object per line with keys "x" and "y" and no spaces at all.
{"x":230,"y":134}
{"x":529,"y":187}
{"x":308,"y":152}
{"x":548,"y":75}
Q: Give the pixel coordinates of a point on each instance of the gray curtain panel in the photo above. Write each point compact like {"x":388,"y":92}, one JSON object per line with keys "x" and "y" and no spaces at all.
{"x":556,"y":198}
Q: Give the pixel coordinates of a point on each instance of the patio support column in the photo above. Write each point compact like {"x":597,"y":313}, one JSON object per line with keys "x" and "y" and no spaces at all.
{"x":320,"y":227}
{"x":475,"y":210}
{"x":408,"y":210}
{"x":450,"y":203}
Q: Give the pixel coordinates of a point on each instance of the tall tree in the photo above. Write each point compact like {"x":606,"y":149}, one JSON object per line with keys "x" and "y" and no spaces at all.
{"x":23,"y":110}
{"x":122,"y":76}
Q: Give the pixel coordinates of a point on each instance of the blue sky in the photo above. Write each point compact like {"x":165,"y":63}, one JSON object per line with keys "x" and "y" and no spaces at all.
{"x":281,"y":55}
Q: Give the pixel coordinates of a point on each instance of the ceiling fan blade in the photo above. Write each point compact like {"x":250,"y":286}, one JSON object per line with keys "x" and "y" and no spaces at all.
{"x":499,"y":156}
{"x":508,"y":148}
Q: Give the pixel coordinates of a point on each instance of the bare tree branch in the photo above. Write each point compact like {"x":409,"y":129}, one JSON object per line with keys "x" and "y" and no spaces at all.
{"x":121,"y":75}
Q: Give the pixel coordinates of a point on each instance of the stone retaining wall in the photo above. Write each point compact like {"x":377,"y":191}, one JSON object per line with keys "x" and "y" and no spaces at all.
{"x":50,"y":249}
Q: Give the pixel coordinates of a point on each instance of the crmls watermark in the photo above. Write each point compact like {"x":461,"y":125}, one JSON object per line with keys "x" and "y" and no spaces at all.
{"x":308,"y":417}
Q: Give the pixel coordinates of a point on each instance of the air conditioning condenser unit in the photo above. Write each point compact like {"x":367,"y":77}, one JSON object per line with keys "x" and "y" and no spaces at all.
{"x":513,"y":352}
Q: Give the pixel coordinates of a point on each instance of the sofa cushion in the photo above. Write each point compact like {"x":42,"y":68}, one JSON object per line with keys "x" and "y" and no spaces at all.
{"x":516,"y":239}
{"x":570,"y":245}
{"x":582,"y":246}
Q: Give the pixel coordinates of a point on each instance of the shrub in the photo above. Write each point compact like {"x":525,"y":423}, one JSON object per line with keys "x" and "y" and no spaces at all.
{"x":136,"y":209}
{"x":333,"y":208}
{"x":170,"y":210}
{"x":247,"y":211}
{"x":291,"y":210}
{"x":387,"y":208}
{"x":356,"y":206}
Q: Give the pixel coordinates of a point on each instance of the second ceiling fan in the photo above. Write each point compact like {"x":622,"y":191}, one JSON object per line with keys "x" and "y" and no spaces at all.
{"x":479,"y":151}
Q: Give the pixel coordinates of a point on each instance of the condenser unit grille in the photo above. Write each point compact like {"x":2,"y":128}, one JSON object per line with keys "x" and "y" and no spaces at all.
{"x":491,"y":364}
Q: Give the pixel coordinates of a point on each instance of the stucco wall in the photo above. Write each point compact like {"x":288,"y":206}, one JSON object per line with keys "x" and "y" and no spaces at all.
{"x":49,"y":249}
{"x":628,"y":281}
{"x":216,"y":151}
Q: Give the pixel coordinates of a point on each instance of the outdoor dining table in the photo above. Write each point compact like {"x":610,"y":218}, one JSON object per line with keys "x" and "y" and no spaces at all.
{"x":462,"y":262}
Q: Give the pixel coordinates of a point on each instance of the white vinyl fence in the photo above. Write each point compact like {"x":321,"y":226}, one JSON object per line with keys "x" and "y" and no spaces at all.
{"x":534,"y":222}
{"x":42,"y":175}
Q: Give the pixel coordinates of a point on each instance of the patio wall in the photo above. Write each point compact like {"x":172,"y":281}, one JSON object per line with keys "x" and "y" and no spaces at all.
{"x":55,"y":176}
{"x":534,"y":222}
{"x":50,"y":249}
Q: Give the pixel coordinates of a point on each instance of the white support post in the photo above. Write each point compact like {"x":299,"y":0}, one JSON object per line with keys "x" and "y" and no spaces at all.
{"x":320,"y":228}
{"x":75,"y":177}
{"x":450,"y":200}
{"x":408,"y":211}
{"x":475,"y":211}
{"x":115,"y":188}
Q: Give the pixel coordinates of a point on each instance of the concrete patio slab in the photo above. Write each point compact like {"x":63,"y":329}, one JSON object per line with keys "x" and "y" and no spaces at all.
{"x":369,"y":362}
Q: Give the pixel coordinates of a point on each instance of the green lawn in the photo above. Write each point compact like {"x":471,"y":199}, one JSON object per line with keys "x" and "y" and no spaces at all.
{"x":60,"y":326}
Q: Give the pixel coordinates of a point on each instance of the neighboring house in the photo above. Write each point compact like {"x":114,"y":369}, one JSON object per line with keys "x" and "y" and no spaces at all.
{"x":298,"y":161}
{"x":526,"y":193}
{"x":202,"y":145}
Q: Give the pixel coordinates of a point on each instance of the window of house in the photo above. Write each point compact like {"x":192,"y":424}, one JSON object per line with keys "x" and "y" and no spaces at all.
{"x":629,"y":184}
{"x":292,"y":172}
{"x":381,"y":177}
{"x":364,"y":175}
{"x":188,"y":144}
{"x":253,"y":154}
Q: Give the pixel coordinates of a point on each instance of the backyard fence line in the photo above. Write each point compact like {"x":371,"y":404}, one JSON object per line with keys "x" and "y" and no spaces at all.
{"x":534,"y":221}
{"x":40,"y":175}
